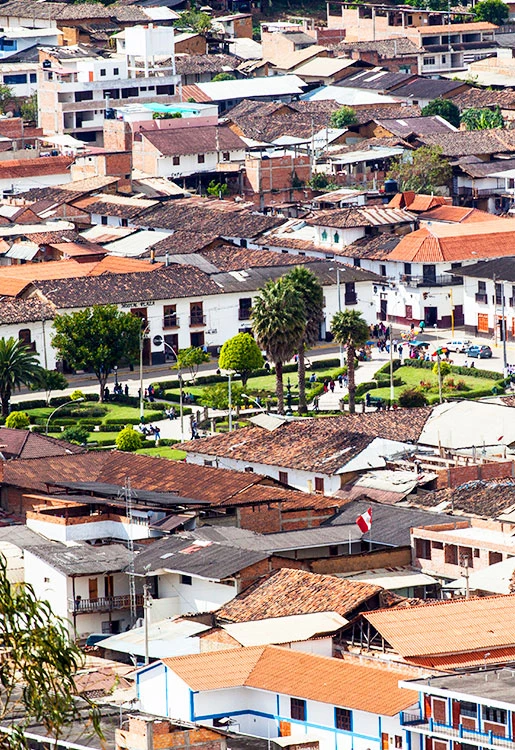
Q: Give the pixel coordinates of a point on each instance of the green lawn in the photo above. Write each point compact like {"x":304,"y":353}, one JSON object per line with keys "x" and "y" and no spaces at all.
{"x":412,"y":377}
{"x":164,"y":451}
{"x":264,"y":383}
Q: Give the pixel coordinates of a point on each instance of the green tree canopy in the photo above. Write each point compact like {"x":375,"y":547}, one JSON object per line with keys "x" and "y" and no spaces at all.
{"x":279,"y":322}
{"x":19,"y":366}
{"x":411,"y":398}
{"x":241,"y":354}
{"x":190,"y":359}
{"x":350,"y":329}
{"x":128,"y":439}
{"x":482,"y":118}
{"x":97,"y":338}
{"x":6,"y":96}
{"x":18,"y":420}
{"x":445,"y":368}
{"x":29,"y":108}
{"x":39,"y":663}
{"x":423,"y":170}
{"x":75,"y":433}
{"x":218,"y":189}
{"x":493,"y":11}
{"x":445,"y":108}
{"x":343,"y":117}
{"x":194,"y":19}
{"x":49,"y":380}
{"x":308,"y":287}
{"x":224,"y":77}
{"x":217,"y":396}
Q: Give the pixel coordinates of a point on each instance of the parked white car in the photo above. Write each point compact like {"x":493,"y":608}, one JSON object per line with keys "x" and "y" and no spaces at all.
{"x":458,"y":345}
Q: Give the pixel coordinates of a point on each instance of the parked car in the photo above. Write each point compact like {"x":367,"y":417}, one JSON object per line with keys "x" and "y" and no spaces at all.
{"x":482,"y":352}
{"x":458,"y":345}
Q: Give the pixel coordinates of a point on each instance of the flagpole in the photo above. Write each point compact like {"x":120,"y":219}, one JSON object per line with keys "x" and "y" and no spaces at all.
{"x":350,"y":545}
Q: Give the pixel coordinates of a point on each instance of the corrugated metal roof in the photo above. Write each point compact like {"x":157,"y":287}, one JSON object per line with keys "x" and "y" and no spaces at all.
{"x":136,"y":243}
{"x":170,"y":637}
{"x":276,"y":630}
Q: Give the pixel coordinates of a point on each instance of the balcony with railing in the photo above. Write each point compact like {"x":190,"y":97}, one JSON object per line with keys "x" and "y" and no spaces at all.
{"x":197,"y":320}
{"x":443,"y":280}
{"x":103,"y":604}
{"x":417,"y":723}
{"x":171,"y":321}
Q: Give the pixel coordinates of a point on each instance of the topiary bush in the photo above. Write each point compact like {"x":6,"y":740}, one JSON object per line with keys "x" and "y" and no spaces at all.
{"x":75,"y":434}
{"x":17,"y":420}
{"x":411,"y":398}
{"x":128,"y":440}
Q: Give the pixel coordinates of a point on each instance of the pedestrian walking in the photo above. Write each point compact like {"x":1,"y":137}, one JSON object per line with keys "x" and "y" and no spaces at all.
{"x":331,"y":386}
{"x":340,"y":380}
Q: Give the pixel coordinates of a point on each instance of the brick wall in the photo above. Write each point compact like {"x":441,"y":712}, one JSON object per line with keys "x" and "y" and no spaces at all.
{"x":266,"y":520}
{"x":216,"y":640}
{"x":164,"y":734}
{"x":457,"y":475}
{"x":277,"y":173}
{"x":117,"y":135}
{"x":254,"y":572}
{"x":397,"y":557}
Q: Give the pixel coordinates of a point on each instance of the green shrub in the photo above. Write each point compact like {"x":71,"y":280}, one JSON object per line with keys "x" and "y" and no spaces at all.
{"x":122,"y":422}
{"x":38,"y":429}
{"x":27,"y":405}
{"x":411,"y":398}
{"x":110,"y":427}
{"x":75,"y":434}
{"x":17,"y":420}
{"x":89,"y":422}
{"x":128,"y":440}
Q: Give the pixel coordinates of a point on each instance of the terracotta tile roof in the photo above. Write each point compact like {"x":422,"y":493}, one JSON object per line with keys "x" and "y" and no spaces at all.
{"x":375,"y":248}
{"x":504,"y":98}
{"x":15,"y":278}
{"x":295,"y":592}
{"x":165,"y":283}
{"x":24,"y":444}
{"x":113,"y":264}
{"x":223,"y":218}
{"x":190,"y":64}
{"x":114,"y":205}
{"x":24,"y":311}
{"x":267,"y":121}
{"x":147,"y":473}
{"x":199,"y":140}
{"x":416,"y":201}
{"x":448,"y":627}
{"x":483,"y":498}
{"x":192,"y":91}
{"x":384,"y":48}
{"x":235,"y":258}
{"x":452,"y":242}
{"x":345,"y":683}
{"x":183,"y":241}
{"x":285,"y":498}
{"x":367,"y":216}
{"x":321,"y":445}
{"x":78,"y":249}
{"x":473,"y":142}
{"x":414,"y":126}
{"x":458,"y":661}
{"x":457,"y":215}
{"x":15,"y":169}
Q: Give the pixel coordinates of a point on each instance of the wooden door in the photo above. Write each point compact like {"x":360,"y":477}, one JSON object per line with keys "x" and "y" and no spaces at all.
{"x":108,"y":586}
{"x":482,"y":322}
{"x":439,"y":710}
{"x":385,"y":741}
{"x":93,"y":588}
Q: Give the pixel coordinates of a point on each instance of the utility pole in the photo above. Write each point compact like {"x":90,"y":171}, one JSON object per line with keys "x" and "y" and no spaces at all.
{"x":439,"y":376}
{"x":230,"y":403}
{"x":503,"y":330}
{"x":466,"y":574}
{"x":392,"y":392}
{"x":132,"y":579}
{"x":146,"y":615}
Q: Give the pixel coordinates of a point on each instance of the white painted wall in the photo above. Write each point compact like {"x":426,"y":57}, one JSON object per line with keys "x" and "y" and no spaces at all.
{"x":109,"y":529}
{"x":201,"y":596}
{"x":264,"y":710}
{"x":20,"y":184}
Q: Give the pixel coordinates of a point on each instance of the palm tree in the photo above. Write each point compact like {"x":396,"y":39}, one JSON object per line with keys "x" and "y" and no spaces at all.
{"x":18,"y":366}
{"x":351,"y":330}
{"x":278,"y":322}
{"x":309,"y":288}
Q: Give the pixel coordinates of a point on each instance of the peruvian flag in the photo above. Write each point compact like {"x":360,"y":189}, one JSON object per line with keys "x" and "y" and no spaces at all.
{"x":365,"y":521}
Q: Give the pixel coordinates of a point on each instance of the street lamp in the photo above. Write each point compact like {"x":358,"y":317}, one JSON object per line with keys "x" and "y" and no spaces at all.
{"x":339,"y":292}
{"x":251,"y":398}
{"x":143,"y":332}
{"x":158,"y":340}
{"x":115,"y":368}
{"x":66,"y":403}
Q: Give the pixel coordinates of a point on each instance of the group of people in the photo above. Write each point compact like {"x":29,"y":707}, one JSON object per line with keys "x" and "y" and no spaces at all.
{"x":171,"y":413}
{"x":118,"y":390}
{"x":150,"y":429}
{"x":329,"y":385}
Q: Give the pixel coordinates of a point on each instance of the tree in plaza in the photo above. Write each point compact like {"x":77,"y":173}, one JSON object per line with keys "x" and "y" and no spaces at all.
{"x":97,"y":338}
{"x":49,"y":380}
{"x":18,"y":420}
{"x":443,"y":367}
{"x":351,"y":330}
{"x":190,"y":359}
{"x":309,"y":288}
{"x":18,"y":366}
{"x":343,"y":117}
{"x":279,"y":322}
{"x":482,"y":118}
{"x":241,"y":354}
{"x":75,"y":433}
{"x":493,"y":11}
{"x":423,"y":170}
{"x":6,"y":96}
{"x":217,"y":396}
{"x":39,"y":662}
{"x":444,"y":108}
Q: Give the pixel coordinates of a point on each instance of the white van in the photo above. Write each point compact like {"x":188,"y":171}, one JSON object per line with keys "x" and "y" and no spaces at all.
{"x":458,"y":345}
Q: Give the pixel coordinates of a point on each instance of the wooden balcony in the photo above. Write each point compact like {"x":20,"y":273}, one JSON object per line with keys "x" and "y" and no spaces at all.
{"x":103,"y":604}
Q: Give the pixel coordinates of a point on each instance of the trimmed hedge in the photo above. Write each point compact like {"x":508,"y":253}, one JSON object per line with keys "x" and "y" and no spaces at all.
{"x":27,"y":405}
{"x":59,"y":400}
{"x":110,"y":427}
{"x":474,"y":372}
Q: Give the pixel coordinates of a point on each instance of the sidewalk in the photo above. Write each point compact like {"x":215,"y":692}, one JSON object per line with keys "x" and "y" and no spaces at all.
{"x":365,"y":372}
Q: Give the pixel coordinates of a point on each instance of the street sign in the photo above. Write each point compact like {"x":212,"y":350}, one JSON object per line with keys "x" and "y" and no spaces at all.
{"x":157,"y":340}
